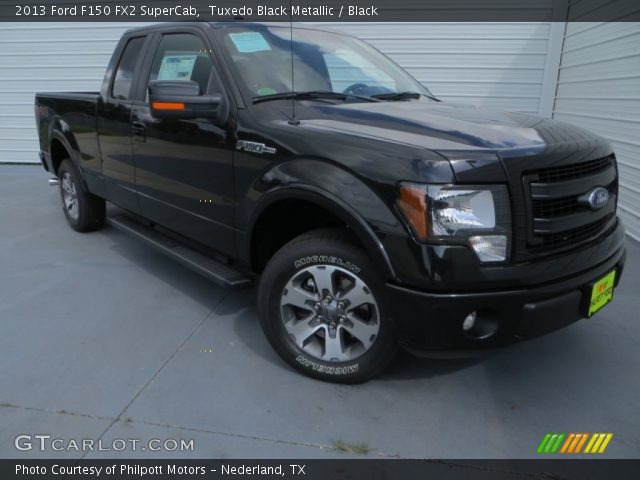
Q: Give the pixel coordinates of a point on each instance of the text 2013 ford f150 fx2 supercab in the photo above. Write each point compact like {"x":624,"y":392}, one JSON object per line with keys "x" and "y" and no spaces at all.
{"x":373,"y":214}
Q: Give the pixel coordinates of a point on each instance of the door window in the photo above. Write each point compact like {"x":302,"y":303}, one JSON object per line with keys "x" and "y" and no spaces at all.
{"x":123,"y":79}
{"x":182,"y":57}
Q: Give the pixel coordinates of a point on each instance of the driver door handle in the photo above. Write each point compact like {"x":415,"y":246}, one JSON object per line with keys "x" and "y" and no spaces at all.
{"x":139,"y":129}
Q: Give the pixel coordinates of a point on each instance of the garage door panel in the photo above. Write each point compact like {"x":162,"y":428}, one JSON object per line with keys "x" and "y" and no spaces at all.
{"x":479,"y":75}
{"x":580,"y":35}
{"x":453,"y":45}
{"x":63,"y":32}
{"x":51,"y":85}
{"x":100,"y":47}
{"x":35,"y":58}
{"x":604,"y":109}
{"x":410,"y":31}
{"x":529,"y":106}
{"x":610,"y":69}
{"x":629,"y":87}
{"x":470,"y":60}
{"x":95,"y":73}
{"x":12,"y":133}
{"x":614,"y":129}
{"x":22,"y":121}
{"x":629,"y":175}
{"x":598,"y":53}
{"x":453,"y":87}
{"x":631,"y":223}
{"x":627,"y":153}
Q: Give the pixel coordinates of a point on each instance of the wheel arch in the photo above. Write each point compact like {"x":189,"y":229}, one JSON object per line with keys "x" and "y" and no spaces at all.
{"x":326,"y":207}
{"x":62,"y":147}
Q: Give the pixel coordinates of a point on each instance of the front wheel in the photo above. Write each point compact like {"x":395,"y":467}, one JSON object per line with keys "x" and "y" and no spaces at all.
{"x":323,"y":310}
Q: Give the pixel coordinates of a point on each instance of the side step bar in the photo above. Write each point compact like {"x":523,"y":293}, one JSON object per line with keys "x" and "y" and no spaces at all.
{"x":214,"y":270}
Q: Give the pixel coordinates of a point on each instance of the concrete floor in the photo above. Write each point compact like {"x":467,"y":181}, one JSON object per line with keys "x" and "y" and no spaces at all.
{"x":103,"y":338}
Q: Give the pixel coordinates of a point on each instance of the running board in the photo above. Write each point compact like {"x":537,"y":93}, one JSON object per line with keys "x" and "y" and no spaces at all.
{"x":214,"y":270}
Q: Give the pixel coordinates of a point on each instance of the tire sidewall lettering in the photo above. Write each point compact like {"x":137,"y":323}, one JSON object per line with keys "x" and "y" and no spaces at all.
{"x":326,"y":259}
{"x":329,"y":370}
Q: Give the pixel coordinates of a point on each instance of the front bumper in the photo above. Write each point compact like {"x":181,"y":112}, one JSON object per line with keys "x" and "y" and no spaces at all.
{"x":433,"y":321}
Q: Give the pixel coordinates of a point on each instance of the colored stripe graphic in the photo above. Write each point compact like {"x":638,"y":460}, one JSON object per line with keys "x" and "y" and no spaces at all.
{"x":598,"y":442}
{"x":573,"y":443}
{"x":551,"y":442}
{"x":543,"y":443}
{"x":568,"y":442}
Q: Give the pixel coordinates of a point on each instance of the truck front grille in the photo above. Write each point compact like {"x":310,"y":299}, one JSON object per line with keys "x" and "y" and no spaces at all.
{"x":569,"y":172}
{"x":556,"y":218}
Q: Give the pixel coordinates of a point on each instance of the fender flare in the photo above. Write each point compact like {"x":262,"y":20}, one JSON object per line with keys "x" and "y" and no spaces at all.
{"x":67,"y":142}
{"x":327,"y":200}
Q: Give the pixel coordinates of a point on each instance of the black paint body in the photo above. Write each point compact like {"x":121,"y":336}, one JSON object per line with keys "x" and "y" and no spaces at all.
{"x":348,"y":158}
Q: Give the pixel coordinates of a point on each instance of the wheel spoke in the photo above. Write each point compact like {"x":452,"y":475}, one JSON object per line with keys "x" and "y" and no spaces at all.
{"x":298,"y":297}
{"x":358,"y":295}
{"x":364,"y":332}
{"x":66,"y":184}
{"x":323,"y":278}
{"x":302,"y":329}
{"x":334,"y":347}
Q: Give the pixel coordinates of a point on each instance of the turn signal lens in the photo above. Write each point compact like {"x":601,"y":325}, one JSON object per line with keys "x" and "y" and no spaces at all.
{"x":167,"y":106}
{"x":412,"y":201}
{"x":489,"y":248}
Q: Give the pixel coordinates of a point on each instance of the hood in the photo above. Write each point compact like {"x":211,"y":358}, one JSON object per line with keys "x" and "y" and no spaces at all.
{"x":441,"y":126}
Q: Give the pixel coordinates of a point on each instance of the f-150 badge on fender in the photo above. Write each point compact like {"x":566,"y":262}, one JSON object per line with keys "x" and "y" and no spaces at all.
{"x":254,"y":147}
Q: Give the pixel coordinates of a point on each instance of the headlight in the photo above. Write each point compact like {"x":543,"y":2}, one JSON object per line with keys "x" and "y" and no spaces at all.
{"x":478,"y":216}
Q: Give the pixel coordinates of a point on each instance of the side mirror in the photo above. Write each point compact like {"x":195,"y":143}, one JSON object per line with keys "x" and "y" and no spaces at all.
{"x":171,"y":99}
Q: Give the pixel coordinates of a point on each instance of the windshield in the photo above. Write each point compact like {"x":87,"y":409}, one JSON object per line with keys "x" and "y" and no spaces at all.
{"x":322,"y":62}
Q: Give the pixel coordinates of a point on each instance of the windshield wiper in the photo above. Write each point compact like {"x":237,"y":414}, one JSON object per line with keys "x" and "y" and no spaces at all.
{"x":397,"y":95}
{"x":402,"y":96}
{"x":312,"y":95}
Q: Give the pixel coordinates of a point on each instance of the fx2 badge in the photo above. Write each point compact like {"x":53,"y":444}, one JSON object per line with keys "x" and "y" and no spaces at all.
{"x":254,"y":147}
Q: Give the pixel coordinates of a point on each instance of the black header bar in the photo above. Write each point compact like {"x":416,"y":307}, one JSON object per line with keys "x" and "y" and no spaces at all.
{"x":320,"y":10}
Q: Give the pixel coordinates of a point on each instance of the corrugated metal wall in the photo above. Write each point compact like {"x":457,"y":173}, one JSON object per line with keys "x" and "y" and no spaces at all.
{"x":497,"y":64}
{"x":599,"y":89}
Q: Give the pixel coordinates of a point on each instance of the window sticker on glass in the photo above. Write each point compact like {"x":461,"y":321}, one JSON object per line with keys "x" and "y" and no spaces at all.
{"x":177,"y":67}
{"x":249,"y":42}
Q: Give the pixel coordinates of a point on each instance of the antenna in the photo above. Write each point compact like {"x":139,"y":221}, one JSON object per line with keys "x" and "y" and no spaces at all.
{"x":293,"y":120}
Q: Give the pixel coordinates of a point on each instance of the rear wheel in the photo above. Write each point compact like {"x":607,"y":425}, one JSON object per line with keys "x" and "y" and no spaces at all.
{"x":83,"y":210}
{"x":322,"y":308}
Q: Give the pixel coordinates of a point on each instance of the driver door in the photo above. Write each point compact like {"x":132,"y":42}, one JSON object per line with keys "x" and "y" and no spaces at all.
{"x":184,"y":168}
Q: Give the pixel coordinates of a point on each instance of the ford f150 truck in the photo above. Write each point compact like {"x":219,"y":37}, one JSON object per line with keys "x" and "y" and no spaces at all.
{"x":372,"y":214}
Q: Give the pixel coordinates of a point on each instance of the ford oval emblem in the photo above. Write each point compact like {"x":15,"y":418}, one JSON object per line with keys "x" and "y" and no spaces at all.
{"x":597,"y":198}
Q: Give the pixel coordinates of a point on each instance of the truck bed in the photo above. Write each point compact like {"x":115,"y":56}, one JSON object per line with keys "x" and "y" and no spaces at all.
{"x":74,"y":113}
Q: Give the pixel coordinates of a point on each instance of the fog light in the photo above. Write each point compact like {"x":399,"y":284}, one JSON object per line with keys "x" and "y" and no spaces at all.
{"x":489,"y":248}
{"x":469,"y":322}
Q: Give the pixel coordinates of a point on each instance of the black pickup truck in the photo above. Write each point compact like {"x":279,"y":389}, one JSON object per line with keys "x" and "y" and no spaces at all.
{"x":373,"y":214}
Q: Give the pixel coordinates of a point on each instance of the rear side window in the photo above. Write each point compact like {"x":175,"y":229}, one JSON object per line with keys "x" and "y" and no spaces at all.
{"x":182,"y":57}
{"x":123,"y":79}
